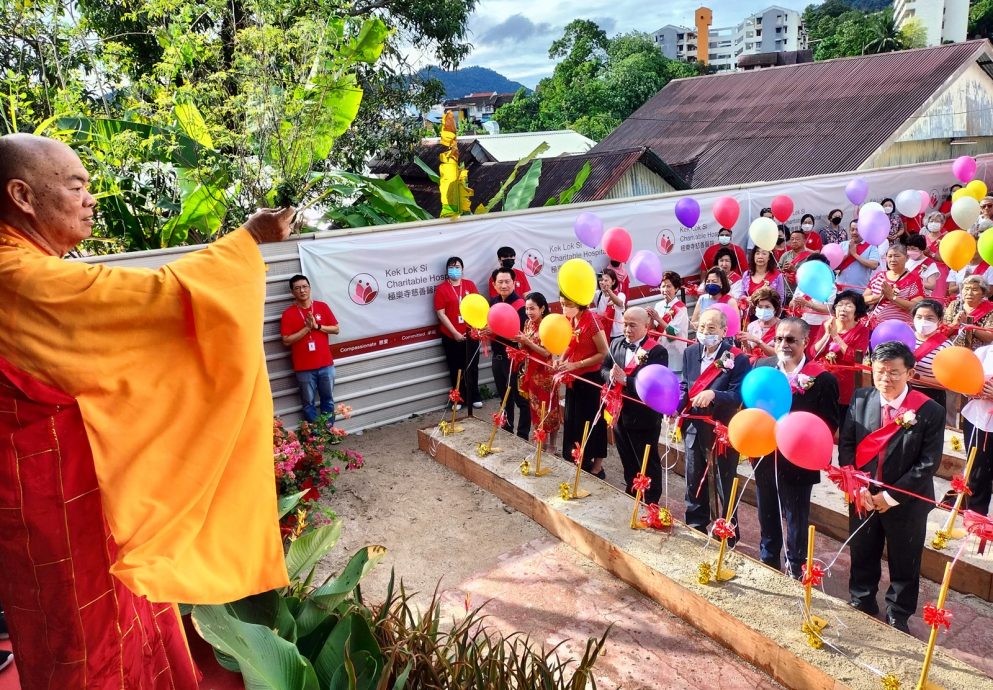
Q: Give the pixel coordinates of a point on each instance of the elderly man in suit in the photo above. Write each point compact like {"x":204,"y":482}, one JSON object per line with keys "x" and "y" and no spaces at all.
{"x":711,"y":387}
{"x":784,"y":489}
{"x":895,"y":434}
{"x":638,"y":425}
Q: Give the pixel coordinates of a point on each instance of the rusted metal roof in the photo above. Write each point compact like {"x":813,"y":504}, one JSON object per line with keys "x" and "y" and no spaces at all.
{"x":791,"y":121}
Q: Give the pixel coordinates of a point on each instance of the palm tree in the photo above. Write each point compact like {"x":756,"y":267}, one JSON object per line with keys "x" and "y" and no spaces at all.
{"x":886,"y":34}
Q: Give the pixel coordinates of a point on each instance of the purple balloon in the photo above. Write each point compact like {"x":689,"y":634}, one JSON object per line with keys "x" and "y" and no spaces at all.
{"x":874,"y":225}
{"x":964,"y":168}
{"x":687,"y":211}
{"x":589,"y":229}
{"x":893,"y":330}
{"x":857,"y":191}
{"x":658,"y":388}
{"x":646,"y":267}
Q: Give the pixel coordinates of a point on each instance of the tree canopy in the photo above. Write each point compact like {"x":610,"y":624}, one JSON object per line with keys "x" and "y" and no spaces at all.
{"x":843,"y":28}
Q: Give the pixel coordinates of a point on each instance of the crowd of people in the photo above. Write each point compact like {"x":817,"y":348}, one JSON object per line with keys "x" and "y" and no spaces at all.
{"x":822,"y":347}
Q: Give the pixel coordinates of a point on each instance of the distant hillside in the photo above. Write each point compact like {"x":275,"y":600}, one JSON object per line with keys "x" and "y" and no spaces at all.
{"x":462,"y":82}
{"x":869,"y":5}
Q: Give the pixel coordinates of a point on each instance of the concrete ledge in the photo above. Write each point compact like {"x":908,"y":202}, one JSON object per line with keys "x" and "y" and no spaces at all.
{"x":757,"y":615}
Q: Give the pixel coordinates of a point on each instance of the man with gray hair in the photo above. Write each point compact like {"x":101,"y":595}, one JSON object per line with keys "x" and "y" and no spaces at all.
{"x":713,"y":369}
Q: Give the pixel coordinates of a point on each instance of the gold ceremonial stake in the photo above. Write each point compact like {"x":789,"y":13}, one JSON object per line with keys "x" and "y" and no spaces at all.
{"x":576,"y":491}
{"x":923,"y":683}
{"x":458,"y":384}
{"x":446,"y":427}
{"x":949,"y":531}
{"x":635,"y":522}
{"x":722,"y":574}
{"x":812,"y":625}
{"x":540,"y":471}
{"x":484,"y":449}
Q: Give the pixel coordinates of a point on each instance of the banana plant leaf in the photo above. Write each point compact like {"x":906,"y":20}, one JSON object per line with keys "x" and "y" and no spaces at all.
{"x":566,"y":196}
{"x":521,"y":194}
{"x":350,"y":638}
{"x":336,"y":590}
{"x":498,"y":197}
{"x":306,"y":551}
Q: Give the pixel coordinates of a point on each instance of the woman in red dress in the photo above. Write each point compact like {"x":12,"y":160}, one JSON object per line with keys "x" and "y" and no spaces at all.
{"x":536,"y":378}
{"x":844,"y":341}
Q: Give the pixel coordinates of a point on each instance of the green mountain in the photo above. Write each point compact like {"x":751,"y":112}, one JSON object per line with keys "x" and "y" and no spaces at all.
{"x":462,"y":82}
{"x":869,"y":5}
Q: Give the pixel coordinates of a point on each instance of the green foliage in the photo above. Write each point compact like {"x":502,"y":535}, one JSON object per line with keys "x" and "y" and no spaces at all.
{"x":843,"y":28}
{"x":981,"y":19}
{"x":498,"y":197}
{"x":597,"y":83}
{"x":566,"y":196}
{"x":913,"y":34}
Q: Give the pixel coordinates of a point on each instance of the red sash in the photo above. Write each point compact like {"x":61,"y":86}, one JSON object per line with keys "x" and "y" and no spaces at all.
{"x":872,"y":445}
{"x":979,"y":312}
{"x":725,"y":299}
{"x":766,"y":282}
{"x":647,"y":347}
{"x":812,"y":369}
{"x":929,"y":345}
{"x":708,"y":375}
{"x":670,"y":313}
{"x":849,"y":259}
{"x":919,"y":268}
{"x":981,"y":268}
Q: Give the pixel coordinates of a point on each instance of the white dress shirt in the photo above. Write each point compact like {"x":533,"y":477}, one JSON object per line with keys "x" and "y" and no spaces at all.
{"x":896,"y":404}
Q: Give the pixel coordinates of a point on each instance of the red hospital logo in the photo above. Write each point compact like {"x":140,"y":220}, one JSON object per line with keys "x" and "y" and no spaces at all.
{"x":363,"y":288}
{"x":665,"y":242}
{"x":533,"y":262}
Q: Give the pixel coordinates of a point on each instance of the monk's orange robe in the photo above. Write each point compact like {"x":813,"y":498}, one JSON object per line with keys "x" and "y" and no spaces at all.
{"x":153,"y":382}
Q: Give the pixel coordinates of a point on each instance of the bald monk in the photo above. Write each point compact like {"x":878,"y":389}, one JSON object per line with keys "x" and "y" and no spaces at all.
{"x":135,"y":436}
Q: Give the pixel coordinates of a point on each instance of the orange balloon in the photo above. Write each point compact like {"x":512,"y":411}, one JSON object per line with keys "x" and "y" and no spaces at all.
{"x":752,"y":432}
{"x":957,"y":249}
{"x":959,"y":370}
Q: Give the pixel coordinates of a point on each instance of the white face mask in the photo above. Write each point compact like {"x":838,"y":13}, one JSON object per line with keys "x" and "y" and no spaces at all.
{"x":807,"y":227}
{"x":934,"y":226}
{"x":888,"y":208}
{"x":723,"y":239}
{"x":763,"y":313}
{"x":924,"y":327}
{"x":914,"y":254}
{"x":708,"y":339}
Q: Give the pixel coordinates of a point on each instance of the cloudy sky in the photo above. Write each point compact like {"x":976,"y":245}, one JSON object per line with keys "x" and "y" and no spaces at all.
{"x":512,"y":36}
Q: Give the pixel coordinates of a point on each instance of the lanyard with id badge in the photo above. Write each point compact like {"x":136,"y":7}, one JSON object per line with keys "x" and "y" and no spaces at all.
{"x":311,"y":345}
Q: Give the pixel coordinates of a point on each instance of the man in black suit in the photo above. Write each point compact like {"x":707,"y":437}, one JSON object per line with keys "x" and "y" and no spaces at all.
{"x":711,"y":386}
{"x":778,"y":482}
{"x":638,"y":425}
{"x":896,"y":435}
{"x":503,"y":372}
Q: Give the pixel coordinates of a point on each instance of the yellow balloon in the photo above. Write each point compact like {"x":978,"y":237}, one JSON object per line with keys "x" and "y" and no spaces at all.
{"x":959,"y":193}
{"x":555,"y":332}
{"x":976,"y":189}
{"x":474,"y":309}
{"x":577,"y":281}
{"x":957,"y":249}
{"x":764,"y":233}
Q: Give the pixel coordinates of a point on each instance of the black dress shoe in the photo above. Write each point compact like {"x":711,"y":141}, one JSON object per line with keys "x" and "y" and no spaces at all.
{"x":602,"y":474}
{"x":898,"y":623}
{"x":870,"y":607}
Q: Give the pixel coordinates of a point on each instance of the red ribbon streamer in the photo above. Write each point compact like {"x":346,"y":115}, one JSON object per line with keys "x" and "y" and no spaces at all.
{"x":577,"y":453}
{"x":723,"y":529}
{"x":540,"y":435}
{"x":935,"y":617}
{"x":653,"y":518}
{"x":721,"y":440}
{"x":960,"y":486}
{"x":612,"y":401}
{"x":499,"y":419}
{"x":516,"y":357}
{"x":641,"y":482}
{"x":815,"y":577}
{"x":851,"y":482}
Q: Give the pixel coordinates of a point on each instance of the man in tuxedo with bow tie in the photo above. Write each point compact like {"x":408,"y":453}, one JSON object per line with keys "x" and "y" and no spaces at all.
{"x":638,"y":425}
{"x":711,"y":387}
{"x":895,"y":434}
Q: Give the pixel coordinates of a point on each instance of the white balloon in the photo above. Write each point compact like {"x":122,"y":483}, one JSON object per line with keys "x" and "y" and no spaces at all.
{"x":764,"y":233}
{"x":965,"y":211}
{"x":908,"y":202}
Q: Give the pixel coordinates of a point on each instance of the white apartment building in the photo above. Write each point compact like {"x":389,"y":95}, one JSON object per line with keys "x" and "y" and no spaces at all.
{"x":944,"y":20}
{"x":772,"y":30}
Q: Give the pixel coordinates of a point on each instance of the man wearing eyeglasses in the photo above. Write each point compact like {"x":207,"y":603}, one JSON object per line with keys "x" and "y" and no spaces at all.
{"x":779,"y":484}
{"x":305,"y":327}
{"x":895,"y":434}
{"x":711,"y":387}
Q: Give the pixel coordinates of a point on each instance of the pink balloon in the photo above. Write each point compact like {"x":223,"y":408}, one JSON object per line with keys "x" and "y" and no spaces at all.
{"x":726,"y":211}
{"x":805,"y":440}
{"x":925,"y":201}
{"x":964,"y":168}
{"x":733,"y":317}
{"x":617,"y":244}
{"x":834,"y":253}
{"x":504,"y":320}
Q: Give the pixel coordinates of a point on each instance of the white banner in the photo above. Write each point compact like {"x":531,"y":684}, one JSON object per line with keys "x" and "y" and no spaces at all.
{"x":380,"y":284}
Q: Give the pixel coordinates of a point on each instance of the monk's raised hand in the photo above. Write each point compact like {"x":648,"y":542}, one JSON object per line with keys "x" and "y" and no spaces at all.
{"x":270,"y":224}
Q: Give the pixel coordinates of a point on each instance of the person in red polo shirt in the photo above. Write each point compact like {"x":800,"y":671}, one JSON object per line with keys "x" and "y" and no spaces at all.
{"x":305,"y":328}
{"x":461,"y":350}
{"x":506,"y":258}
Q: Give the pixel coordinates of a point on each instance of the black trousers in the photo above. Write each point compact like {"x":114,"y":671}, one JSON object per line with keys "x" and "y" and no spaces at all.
{"x":503,"y":378}
{"x":903,"y":530}
{"x":981,"y":476}
{"x":778,"y":501}
{"x":463,"y":356}
{"x":631,"y":444}
{"x":581,"y":404}
{"x":697,"y":490}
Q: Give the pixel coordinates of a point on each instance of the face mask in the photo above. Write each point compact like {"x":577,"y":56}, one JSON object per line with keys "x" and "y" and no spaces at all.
{"x":454,"y":272}
{"x":925,"y":327}
{"x":934,"y":227}
{"x":709,"y":339}
{"x":836,"y":221}
{"x":724,"y":239}
{"x":712,"y":290}
{"x":807,"y":227}
{"x":763,"y":313}
{"x":507,"y":263}
{"x":888,"y":208}
{"x":913,"y":254}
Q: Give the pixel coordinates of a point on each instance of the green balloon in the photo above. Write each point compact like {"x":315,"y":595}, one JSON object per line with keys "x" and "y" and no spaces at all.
{"x":986,"y":246}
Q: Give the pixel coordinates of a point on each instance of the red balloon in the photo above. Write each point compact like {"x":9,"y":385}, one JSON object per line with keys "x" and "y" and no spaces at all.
{"x":617,"y":244}
{"x":782,"y":208}
{"x":726,"y":211}
{"x":504,"y":320}
{"x":805,"y":440}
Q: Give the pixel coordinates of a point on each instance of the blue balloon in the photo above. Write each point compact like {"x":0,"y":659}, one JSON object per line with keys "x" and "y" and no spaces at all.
{"x":816,"y":280}
{"x":767,"y":388}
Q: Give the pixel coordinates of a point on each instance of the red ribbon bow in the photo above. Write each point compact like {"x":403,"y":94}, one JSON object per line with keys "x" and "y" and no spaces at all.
{"x":499,"y":419}
{"x":978,"y":525}
{"x":723,"y":529}
{"x":516,"y":356}
{"x":653,"y":518}
{"x":721,"y":439}
{"x":577,"y":453}
{"x":815,"y":577}
{"x":641,"y":482}
{"x":540,"y":435}
{"x":563,"y":378}
{"x":960,"y":486}
{"x":935,"y":617}
{"x":454,"y":396}
{"x":851,"y":481}
{"x":612,"y":401}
